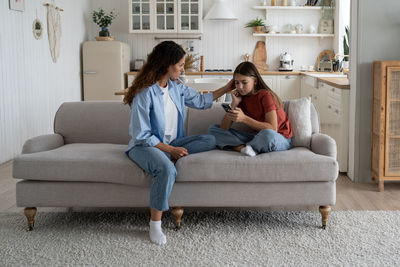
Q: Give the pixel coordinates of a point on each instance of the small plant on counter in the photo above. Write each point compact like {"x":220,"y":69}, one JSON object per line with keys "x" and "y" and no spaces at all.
{"x":346,"y":43}
{"x":103,"y":20}
{"x":256,"y":24}
{"x":190,"y":61}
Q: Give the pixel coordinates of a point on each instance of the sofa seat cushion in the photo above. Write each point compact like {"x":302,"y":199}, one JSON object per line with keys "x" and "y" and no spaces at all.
{"x":81,"y":162}
{"x":295,"y":165}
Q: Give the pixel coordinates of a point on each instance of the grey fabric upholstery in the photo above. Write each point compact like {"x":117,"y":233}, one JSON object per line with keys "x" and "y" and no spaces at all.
{"x":93,"y":122}
{"x":295,"y":165}
{"x":42,"y":143}
{"x":324,"y":145}
{"x":217,"y":194}
{"x":81,"y":162}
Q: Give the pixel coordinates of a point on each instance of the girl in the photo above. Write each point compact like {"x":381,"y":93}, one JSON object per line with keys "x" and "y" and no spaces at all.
{"x":257,"y":106}
{"x":158,"y":113}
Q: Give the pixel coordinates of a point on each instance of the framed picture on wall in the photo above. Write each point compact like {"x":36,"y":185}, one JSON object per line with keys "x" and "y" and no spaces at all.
{"x":18,"y":5}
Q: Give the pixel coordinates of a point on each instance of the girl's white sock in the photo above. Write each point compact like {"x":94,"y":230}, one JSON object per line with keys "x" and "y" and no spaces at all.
{"x":248,"y":150}
{"x":156,"y":234}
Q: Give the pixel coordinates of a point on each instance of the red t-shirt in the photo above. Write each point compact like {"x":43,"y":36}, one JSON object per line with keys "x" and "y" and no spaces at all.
{"x":255,"y":106}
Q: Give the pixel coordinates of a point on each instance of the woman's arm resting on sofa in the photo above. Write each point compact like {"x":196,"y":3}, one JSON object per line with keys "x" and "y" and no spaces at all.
{"x":323,"y":144}
{"x":42,"y":143}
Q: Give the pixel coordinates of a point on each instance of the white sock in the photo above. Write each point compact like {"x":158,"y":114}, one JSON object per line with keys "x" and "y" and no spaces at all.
{"x":156,"y":234}
{"x":248,"y":150}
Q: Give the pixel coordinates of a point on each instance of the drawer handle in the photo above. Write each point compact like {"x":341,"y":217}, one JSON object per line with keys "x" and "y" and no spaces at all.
{"x":333,"y":89}
{"x":310,"y":95}
{"x":315,"y":97}
{"x":337,"y":111}
{"x":90,"y":72}
{"x":329,"y":106}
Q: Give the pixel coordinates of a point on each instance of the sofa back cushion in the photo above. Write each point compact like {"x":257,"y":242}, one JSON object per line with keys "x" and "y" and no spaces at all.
{"x":198,"y":121}
{"x":93,"y":122}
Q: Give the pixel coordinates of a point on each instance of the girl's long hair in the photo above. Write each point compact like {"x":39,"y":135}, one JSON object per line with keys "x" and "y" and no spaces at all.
{"x":249,"y":69}
{"x":164,"y":54}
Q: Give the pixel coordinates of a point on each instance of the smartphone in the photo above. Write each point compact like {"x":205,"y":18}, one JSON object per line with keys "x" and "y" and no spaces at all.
{"x":226,"y":106}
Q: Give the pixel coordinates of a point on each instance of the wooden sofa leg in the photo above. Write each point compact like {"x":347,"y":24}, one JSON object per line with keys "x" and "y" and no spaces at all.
{"x":324,"y":210}
{"x":30,"y":216}
{"x":177,"y":212}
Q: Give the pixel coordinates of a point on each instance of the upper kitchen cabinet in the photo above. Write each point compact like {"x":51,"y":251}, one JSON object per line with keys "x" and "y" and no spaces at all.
{"x":165,"y":16}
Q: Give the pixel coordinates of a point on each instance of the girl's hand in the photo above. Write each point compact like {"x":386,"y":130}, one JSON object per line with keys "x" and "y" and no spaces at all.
{"x":178,"y":152}
{"x":236,"y":115}
{"x":236,"y":98}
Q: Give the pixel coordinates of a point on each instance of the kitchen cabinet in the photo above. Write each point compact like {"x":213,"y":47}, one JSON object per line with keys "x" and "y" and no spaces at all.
{"x":288,"y":87}
{"x":332,"y":105}
{"x":165,"y":16}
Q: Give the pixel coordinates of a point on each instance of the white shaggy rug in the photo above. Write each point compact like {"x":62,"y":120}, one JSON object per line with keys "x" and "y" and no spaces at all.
{"x":216,"y":238}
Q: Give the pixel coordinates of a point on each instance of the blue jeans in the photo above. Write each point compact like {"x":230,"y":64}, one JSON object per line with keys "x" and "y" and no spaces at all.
{"x":159,"y":165}
{"x":262,"y":142}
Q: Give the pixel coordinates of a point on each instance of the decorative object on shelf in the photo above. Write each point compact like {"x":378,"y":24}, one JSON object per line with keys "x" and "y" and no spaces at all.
{"x":312,"y":29}
{"x":246,"y":57}
{"x":18,"y":5}
{"x":202,"y":63}
{"x":312,"y":2}
{"x":299,"y":28}
{"x":284,"y":3}
{"x":37,"y":28}
{"x":292,"y":3}
{"x":264,"y":2}
{"x":256,"y":24}
{"x":54,"y":29}
{"x":273,"y":2}
{"x":289,"y":28}
{"x":103,"y":20}
{"x":260,"y":56}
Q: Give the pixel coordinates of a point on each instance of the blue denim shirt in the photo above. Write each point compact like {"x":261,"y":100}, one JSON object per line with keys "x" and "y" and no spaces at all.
{"x":147,"y":125}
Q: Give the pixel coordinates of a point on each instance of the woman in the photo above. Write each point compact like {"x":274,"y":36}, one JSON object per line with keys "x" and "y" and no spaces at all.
{"x":257,"y":106}
{"x":158,"y":113}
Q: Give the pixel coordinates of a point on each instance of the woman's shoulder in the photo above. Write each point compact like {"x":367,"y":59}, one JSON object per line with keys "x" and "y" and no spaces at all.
{"x":264,"y":93}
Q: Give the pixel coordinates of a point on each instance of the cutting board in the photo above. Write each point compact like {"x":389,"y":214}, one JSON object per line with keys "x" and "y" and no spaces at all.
{"x":260,"y":56}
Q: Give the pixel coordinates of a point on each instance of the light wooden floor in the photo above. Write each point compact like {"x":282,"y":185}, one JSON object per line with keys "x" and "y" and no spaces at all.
{"x":350,"y":196}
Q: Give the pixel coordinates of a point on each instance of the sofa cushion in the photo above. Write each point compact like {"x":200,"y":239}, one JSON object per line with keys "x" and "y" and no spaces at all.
{"x":295,"y":165}
{"x":81,"y":162}
{"x":300,"y":121}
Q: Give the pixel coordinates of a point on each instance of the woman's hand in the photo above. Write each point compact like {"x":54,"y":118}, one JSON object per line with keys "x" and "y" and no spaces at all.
{"x":236,"y":115}
{"x":177,"y":152}
{"x":230,"y":86}
{"x":236,"y":98}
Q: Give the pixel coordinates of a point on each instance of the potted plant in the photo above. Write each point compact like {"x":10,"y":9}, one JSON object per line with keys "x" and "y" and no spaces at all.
{"x":103,"y":20}
{"x":346,"y":44}
{"x":256,"y":24}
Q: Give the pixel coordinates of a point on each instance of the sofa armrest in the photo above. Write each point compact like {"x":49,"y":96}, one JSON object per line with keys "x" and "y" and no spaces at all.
{"x":324,"y":145}
{"x":42,"y":143}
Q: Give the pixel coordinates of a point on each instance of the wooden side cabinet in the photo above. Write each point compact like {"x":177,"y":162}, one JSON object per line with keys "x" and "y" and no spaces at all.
{"x":385,"y":137}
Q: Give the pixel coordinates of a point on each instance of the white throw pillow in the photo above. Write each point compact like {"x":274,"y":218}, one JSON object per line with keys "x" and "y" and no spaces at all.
{"x":300,"y":120}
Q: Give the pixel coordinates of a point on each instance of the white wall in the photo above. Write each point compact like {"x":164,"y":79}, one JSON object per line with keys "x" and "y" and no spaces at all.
{"x":224,"y":42}
{"x":378,"y":38}
{"x":32,"y":87}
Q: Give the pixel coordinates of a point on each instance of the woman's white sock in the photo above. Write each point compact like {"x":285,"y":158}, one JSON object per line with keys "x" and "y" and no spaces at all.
{"x":248,"y":150}
{"x":156,"y":234}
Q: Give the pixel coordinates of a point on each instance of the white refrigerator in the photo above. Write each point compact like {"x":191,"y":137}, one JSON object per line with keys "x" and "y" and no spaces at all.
{"x":104,"y":66}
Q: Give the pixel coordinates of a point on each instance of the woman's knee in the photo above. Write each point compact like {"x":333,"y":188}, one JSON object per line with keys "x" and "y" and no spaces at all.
{"x":268,"y":133}
{"x":166,"y":169}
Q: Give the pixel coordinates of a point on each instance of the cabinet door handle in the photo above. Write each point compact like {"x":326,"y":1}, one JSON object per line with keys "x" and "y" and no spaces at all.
{"x":90,"y":72}
{"x":315,"y":97}
{"x":333,"y":89}
{"x":287,"y":77}
{"x":329,"y":106}
{"x":337,"y":111}
{"x":310,"y":95}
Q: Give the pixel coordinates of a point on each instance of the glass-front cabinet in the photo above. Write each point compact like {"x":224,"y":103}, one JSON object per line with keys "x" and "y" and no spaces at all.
{"x":140,"y":16}
{"x":165,"y":16}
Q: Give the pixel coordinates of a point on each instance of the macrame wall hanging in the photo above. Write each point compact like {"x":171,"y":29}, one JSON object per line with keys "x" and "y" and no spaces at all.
{"x":54,"y":29}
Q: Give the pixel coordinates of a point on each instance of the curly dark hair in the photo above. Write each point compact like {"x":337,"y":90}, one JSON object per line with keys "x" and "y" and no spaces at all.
{"x":164,"y":54}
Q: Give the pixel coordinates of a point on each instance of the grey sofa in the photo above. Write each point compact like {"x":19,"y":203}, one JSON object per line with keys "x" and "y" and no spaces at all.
{"x":83,"y":164}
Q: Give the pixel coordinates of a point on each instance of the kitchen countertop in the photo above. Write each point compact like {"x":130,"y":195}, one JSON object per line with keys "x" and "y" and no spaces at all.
{"x":338,"y":82}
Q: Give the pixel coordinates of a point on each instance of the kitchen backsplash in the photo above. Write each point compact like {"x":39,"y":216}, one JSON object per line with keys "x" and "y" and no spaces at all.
{"x":224,"y":43}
